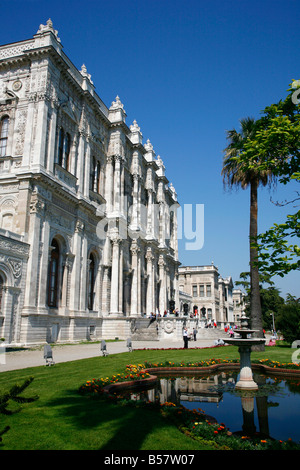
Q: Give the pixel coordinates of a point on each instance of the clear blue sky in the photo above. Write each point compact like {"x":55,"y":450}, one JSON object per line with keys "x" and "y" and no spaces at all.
{"x":187,"y":71}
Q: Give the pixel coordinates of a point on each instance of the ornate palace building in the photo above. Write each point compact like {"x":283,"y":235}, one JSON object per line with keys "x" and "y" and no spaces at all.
{"x":209,"y":291}
{"x":88,"y":225}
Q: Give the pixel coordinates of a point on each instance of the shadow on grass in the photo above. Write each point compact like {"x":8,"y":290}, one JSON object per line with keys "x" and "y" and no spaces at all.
{"x":107,"y":424}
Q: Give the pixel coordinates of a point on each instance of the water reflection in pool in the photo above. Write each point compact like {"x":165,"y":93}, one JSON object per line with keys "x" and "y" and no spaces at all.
{"x":274,"y":410}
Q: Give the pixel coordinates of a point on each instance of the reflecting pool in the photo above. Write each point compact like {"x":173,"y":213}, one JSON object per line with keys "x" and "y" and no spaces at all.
{"x":273,"y":410}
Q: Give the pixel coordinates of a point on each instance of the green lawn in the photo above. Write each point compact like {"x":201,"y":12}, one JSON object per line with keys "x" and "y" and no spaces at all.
{"x":62,"y":419}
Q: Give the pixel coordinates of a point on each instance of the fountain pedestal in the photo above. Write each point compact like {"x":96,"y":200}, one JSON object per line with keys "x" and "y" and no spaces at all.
{"x":244,"y":343}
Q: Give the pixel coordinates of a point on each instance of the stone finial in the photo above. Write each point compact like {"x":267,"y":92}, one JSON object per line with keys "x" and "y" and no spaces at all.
{"x":173,"y":191}
{"x":160,"y":163}
{"x":161,"y":167}
{"x":136,"y":135}
{"x":117,"y":104}
{"x":134,"y":127}
{"x":48,"y":27}
{"x":148,"y":146}
{"x":117,"y":112}
{"x":150,"y":154}
{"x":84,"y":73}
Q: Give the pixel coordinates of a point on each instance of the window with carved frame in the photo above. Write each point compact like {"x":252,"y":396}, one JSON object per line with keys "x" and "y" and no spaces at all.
{"x":64,"y":147}
{"x":4,"y":122}
{"x":91,"y":281}
{"x":53,"y":275}
{"x":95,"y":175}
{"x":1,"y":290}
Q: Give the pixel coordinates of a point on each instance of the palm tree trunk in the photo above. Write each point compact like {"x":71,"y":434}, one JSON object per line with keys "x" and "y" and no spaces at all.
{"x":255,"y":304}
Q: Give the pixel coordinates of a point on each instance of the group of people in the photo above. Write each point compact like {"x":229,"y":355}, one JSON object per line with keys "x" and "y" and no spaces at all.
{"x":229,"y":329}
{"x":188,"y":336}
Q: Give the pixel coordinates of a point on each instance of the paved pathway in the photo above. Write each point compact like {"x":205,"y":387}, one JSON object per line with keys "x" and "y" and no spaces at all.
{"x":14,"y":360}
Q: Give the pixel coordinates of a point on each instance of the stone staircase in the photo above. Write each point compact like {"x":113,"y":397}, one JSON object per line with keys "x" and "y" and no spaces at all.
{"x":142,"y":329}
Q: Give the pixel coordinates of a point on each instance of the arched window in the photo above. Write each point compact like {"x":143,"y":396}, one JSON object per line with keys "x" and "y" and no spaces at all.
{"x":1,"y":290}
{"x":91,"y":282}
{"x":3,"y":135}
{"x":53,"y":275}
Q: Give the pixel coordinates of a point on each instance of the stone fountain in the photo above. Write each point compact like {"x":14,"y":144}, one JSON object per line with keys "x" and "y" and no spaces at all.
{"x":244,"y":343}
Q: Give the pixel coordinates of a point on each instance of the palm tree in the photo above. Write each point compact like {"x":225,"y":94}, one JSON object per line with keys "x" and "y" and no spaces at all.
{"x":236,"y":174}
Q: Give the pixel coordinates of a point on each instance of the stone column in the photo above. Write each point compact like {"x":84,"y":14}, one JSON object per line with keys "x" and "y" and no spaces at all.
{"x":67,"y":269}
{"x":42,"y":294}
{"x":41,"y":131}
{"x":117,"y":184}
{"x":37,"y":208}
{"x":163,"y":287}
{"x":81,"y":157}
{"x":135,"y":250}
{"x":123,"y":209}
{"x":150,"y":216}
{"x":83,"y":296}
{"x":87,"y":164}
{"x":106,"y":288}
{"x":109,"y":183}
{"x":135,"y":217}
{"x":52,"y":138}
{"x":121,"y":288}
{"x":162,"y":223}
{"x":29,"y":131}
{"x":76,"y":271}
{"x":114,"y":296}
{"x":150,"y":283}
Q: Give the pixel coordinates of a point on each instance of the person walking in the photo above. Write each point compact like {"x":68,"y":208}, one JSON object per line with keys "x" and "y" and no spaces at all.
{"x":195,"y":333}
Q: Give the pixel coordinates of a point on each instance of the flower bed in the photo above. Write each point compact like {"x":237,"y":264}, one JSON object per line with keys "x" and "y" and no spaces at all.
{"x":193,"y":423}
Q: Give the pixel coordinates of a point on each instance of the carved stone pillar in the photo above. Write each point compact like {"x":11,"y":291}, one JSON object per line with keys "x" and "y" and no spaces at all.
{"x":81,"y":159}
{"x":41,"y":129}
{"x":135,"y":217}
{"x":83,"y":277}
{"x":87,"y":165}
{"x":37,"y":208}
{"x":106,"y":288}
{"x":135,"y":284}
{"x":29,"y":130}
{"x":51,"y":138}
{"x":150,"y":295}
{"x":44,"y":255}
{"x":76,"y":271}
{"x":109,"y":183}
{"x":67,"y":268}
{"x":117,"y":184}
{"x":115,"y":275}
{"x":163,"y":287}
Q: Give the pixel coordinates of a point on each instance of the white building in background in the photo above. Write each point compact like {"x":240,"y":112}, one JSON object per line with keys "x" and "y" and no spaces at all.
{"x":88,"y":237}
{"x":239,"y":304}
{"x":209,"y":291}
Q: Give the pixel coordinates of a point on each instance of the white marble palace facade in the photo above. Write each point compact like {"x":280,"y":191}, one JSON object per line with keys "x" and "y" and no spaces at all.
{"x":208,"y":291}
{"x":88,"y":225}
